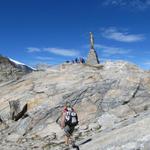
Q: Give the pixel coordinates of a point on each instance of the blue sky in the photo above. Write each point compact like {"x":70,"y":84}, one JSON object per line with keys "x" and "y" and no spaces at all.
{"x":53,"y":31}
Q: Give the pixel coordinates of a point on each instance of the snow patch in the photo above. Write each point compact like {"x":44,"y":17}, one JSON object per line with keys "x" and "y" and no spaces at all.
{"x":20,"y":63}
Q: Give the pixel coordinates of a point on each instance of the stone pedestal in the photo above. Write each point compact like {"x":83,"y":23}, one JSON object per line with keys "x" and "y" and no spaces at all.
{"x":92,"y":58}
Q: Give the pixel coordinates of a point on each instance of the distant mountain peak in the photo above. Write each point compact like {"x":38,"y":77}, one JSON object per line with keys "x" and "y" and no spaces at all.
{"x":20,"y":63}
{"x":11,"y":69}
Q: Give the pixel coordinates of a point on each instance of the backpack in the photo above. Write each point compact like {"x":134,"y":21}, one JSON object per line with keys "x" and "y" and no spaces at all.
{"x":71,"y":117}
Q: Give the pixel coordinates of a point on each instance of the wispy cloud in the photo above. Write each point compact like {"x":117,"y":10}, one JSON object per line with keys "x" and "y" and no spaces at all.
{"x":44,"y":58}
{"x":147,"y":63}
{"x":137,"y":4}
{"x":116,"y":34}
{"x":63,"y":52}
{"x":33,"y":49}
{"x":57,"y":51}
{"x":108,"y":50}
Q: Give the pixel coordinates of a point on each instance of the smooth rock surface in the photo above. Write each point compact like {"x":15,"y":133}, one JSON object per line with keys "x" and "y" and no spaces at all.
{"x":112,"y":104}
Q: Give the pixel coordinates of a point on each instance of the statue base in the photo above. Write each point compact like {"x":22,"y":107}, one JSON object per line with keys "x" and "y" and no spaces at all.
{"x":92,"y":57}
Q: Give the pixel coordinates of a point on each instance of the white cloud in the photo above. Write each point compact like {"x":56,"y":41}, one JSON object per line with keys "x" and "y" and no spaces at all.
{"x":63,"y":52}
{"x":57,"y":51}
{"x":147,"y":63}
{"x":108,"y":50}
{"x":137,"y":4}
{"x":115,"y":34}
{"x":44,"y":58}
{"x":33,"y":49}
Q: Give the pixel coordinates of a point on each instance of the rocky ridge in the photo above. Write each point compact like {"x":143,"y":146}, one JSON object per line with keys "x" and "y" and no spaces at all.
{"x":112,"y":101}
{"x":10,"y":70}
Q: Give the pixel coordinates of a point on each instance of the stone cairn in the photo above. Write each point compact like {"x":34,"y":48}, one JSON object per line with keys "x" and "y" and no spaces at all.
{"x":92,"y":58}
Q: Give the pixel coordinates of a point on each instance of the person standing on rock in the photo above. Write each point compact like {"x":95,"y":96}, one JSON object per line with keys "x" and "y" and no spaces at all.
{"x":69,"y":120}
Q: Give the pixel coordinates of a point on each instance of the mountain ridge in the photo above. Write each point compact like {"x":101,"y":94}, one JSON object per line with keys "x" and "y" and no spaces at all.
{"x":11,"y":69}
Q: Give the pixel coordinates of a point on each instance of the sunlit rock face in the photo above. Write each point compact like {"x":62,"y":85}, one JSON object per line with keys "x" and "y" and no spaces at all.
{"x":112,"y":101}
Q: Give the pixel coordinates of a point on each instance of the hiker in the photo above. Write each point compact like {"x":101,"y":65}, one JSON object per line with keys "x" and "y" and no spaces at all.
{"x":82,"y":61}
{"x":76,"y":60}
{"x":67,"y":61}
{"x":69,"y":120}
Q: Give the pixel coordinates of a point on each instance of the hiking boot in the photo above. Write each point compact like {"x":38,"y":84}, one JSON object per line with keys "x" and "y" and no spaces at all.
{"x":75,"y":146}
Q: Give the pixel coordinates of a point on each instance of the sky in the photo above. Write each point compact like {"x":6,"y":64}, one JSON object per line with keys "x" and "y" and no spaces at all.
{"x":54,"y":31}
